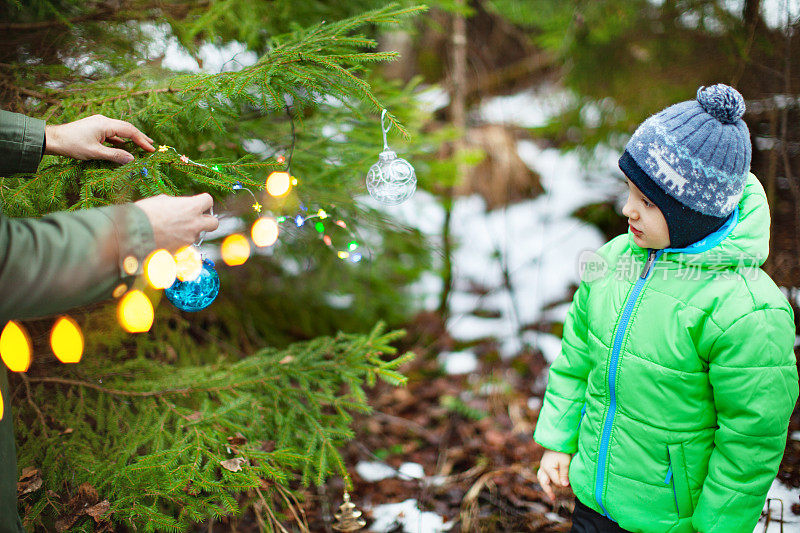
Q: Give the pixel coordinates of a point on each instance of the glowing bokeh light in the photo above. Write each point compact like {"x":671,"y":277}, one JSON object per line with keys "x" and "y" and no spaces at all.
{"x":135,"y":312}
{"x":235,"y":249}
{"x":160,"y":269}
{"x":188,"y":263}
{"x":15,"y":347}
{"x":265,"y":231}
{"x":66,"y":340}
{"x":278,"y":184}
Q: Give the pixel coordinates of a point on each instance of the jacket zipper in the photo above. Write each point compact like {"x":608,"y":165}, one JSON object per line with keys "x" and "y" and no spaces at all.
{"x":619,"y":337}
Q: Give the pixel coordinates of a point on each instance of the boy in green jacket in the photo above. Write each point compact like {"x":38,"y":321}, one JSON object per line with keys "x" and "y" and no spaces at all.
{"x":668,"y":407}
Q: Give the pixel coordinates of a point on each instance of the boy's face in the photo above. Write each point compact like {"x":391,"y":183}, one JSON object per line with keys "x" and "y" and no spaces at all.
{"x":646,"y":222}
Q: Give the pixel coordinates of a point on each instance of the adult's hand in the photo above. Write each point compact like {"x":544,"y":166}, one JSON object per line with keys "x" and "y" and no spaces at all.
{"x":84,"y":138}
{"x":178,"y":220}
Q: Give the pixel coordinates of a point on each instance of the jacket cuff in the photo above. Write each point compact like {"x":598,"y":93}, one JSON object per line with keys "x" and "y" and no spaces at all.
{"x":33,"y":143}
{"x":23,"y":137}
{"x":134,"y":235}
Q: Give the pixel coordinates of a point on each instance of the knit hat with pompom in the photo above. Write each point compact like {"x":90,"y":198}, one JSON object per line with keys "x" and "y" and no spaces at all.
{"x":692,"y":161}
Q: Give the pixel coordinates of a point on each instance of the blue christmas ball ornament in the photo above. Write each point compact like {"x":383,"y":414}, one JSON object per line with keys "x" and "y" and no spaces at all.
{"x":196,"y":294}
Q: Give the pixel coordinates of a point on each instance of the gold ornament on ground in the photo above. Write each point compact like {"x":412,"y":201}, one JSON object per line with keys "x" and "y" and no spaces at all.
{"x":348,"y":518}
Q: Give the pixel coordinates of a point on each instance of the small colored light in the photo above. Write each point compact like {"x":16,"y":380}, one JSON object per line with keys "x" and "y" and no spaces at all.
{"x":265,"y":231}
{"x":278,"y":184}
{"x":135,"y":312}
{"x":320,"y":227}
{"x":322,"y":214}
{"x":257,"y":207}
{"x":66,"y":340}
{"x":160,"y":269}
{"x":356,"y":257}
{"x":353,"y":245}
{"x":341,"y":224}
{"x":144,"y":172}
{"x":235,"y":249}
{"x":163,"y":148}
{"x":237,"y":186}
{"x":215,"y":168}
{"x":280,"y":159}
{"x":343,"y":255}
{"x":294,"y":181}
{"x":189,"y":263}
{"x":327,"y":240}
{"x":15,"y":347}
{"x":281,"y":219}
{"x":299,"y":220}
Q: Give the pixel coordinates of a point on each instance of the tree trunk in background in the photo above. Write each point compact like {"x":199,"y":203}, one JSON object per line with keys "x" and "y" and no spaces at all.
{"x":458,"y":116}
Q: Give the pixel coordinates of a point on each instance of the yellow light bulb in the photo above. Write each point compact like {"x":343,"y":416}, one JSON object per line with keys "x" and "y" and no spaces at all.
{"x":135,"y":312}
{"x":160,"y":269}
{"x":15,"y":347}
{"x":279,"y":183}
{"x":235,"y":249}
{"x":265,"y":231}
{"x":66,"y":340}
{"x":189,"y":263}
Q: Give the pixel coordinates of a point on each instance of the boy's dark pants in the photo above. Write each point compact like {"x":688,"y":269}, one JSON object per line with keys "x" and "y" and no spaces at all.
{"x":9,"y":520}
{"x":586,"y":520}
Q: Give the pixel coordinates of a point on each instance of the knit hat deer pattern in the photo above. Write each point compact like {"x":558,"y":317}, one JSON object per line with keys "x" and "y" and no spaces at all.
{"x":698,"y":154}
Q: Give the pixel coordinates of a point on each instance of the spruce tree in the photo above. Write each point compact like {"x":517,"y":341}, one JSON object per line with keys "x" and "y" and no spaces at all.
{"x":214,"y":413}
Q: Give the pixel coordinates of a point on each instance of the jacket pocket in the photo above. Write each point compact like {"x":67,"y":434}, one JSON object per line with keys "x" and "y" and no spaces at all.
{"x":680,"y":481}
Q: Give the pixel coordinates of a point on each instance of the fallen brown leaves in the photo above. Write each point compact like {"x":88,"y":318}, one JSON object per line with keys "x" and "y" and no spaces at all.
{"x":480,"y":473}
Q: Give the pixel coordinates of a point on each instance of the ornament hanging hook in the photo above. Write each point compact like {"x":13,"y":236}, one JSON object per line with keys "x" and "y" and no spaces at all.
{"x":385,"y":129}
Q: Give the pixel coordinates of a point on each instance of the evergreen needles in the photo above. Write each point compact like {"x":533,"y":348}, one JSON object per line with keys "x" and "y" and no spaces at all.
{"x":178,"y":445}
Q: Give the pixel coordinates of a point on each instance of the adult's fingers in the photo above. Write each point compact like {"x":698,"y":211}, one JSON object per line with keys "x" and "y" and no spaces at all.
{"x":129,"y":131}
{"x":112,"y":154}
{"x":209,"y":223}
{"x":204,"y":202}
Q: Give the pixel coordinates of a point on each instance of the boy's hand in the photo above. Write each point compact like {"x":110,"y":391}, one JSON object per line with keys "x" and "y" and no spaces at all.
{"x":84,"y":138}
{"x":553,"y":468}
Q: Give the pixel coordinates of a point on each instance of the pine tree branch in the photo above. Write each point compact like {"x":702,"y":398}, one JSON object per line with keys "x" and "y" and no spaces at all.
{"x":100,"y":101}
{"x":35,"y":407}
{"x":145,"y":394}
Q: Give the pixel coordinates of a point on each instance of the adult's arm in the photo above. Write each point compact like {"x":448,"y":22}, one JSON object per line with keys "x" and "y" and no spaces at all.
{"x":67,"y":259}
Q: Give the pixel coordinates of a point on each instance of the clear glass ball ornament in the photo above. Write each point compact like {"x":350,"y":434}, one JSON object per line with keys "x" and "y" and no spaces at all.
{"x":198,"y":293}
{"x":392,"y":180}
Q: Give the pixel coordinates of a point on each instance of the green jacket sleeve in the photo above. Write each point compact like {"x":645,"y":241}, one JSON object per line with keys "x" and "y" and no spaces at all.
{"x":560,"y":416}
{"x":67,"y":259}
{"x":754,"y":381}
{"x":21,"y":142}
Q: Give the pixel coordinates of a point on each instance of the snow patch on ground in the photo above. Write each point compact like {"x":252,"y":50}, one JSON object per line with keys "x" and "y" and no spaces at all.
{"x":789,"y":496}
{"x":407,"y":515}
{"x":371,"y":471}
{"x":464,"y":362}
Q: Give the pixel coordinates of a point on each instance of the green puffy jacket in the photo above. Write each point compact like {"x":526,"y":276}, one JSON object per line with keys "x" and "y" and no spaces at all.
{"x":51,"y":264}
{"x":676,"y":380}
